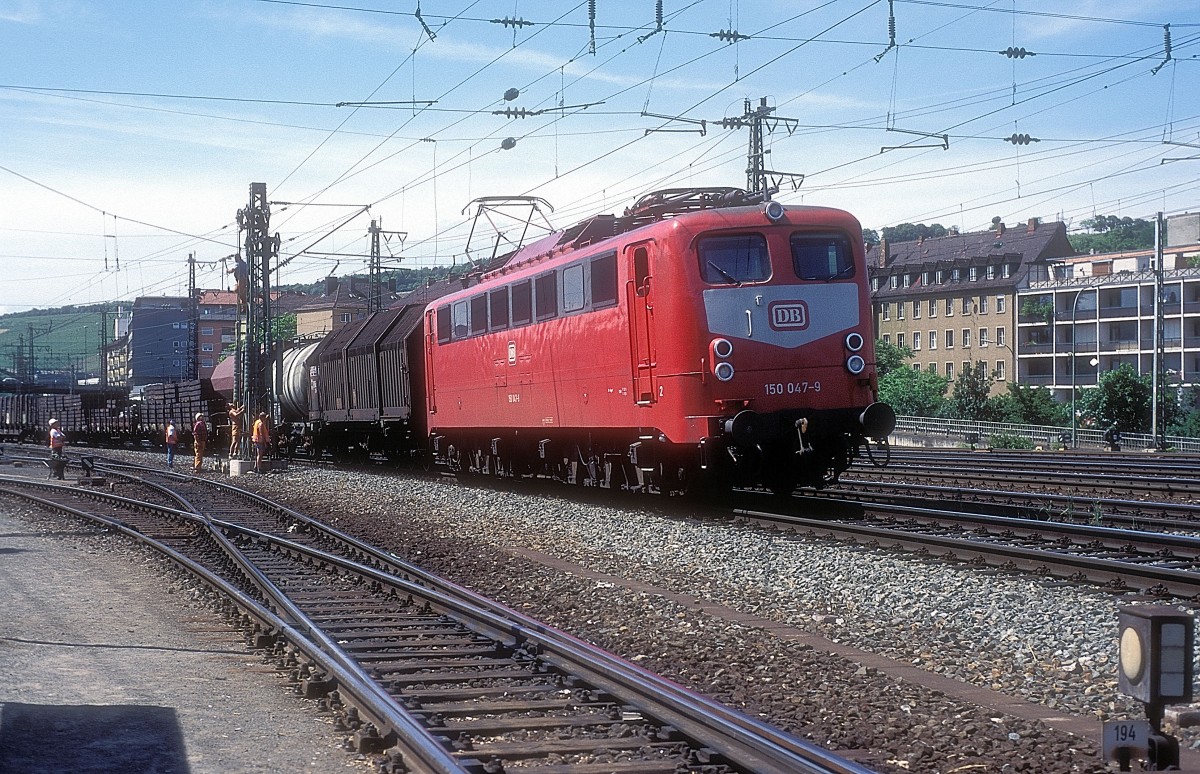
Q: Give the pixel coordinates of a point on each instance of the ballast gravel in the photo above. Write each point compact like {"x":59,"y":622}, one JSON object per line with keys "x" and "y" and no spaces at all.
{"x":1047,"y":643}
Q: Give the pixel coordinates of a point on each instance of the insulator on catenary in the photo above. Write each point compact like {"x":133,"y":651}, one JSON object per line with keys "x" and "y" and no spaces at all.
{"x":1017,"y":53}
{"x":1021,"y":139}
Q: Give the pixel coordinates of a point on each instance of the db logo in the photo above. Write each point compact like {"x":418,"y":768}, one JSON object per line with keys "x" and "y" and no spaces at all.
{"x":788,"y":315}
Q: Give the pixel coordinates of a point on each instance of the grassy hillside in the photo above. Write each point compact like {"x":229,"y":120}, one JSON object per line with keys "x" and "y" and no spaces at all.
{"x":61,"y":338}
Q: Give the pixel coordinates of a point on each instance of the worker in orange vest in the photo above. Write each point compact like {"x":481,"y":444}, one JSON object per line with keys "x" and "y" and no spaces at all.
{"x":260,"y":436}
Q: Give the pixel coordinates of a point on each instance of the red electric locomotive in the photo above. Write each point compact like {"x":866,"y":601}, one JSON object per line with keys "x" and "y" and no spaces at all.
{"x":698,"y":339}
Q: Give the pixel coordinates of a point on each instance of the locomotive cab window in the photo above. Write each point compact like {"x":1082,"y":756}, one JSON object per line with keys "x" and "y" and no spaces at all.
{"x":732,"y":260}
{"x":822,"y":257}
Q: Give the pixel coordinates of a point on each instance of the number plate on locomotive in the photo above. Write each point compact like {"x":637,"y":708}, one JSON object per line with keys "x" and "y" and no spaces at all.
{"x":791,"y":388}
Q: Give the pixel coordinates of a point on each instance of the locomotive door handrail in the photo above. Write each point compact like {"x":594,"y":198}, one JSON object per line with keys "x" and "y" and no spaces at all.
{"x":430,"y":342}
{"x":641,"y":318}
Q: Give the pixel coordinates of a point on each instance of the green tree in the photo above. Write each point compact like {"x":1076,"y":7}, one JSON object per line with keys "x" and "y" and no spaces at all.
{"x":1110,"y":234}
{"x":1030,"y":406}
{"x":913,"y":392}
{"x":911,"y":232}
{"x":283,"y":327}
{"x":971,"y":396}
{"x":870,"y":236}
{"x":1121,"y":398}
{"x":889,"y":357}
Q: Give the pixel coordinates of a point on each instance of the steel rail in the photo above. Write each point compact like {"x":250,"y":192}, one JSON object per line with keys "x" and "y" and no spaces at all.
{"x":426,"y":754}
{"x":1181,"y":583}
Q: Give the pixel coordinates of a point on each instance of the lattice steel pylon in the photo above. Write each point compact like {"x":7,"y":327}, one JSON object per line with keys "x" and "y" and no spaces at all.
{"x":253,"y":376}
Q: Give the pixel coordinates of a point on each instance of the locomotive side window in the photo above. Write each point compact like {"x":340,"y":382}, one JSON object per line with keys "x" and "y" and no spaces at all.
{"x":498,"y":300}
{"x":822,"y":256}
{"x":522,"y":303}
{"x":732,"y":260}
{"x":546,"y":295}
{"x":459,"y":315}
{"x":604,"y":281}
{"x":573,"y":297}
{"x":443,"y":324}
{"x":479,"y":314}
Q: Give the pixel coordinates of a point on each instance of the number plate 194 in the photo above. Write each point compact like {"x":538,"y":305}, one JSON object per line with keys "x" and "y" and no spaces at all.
{"x":1125,"y":733}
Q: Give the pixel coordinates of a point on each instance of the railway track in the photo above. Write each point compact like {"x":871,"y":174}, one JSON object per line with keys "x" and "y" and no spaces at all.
{"x":428,"y":674}
{"x":1124,"y":560}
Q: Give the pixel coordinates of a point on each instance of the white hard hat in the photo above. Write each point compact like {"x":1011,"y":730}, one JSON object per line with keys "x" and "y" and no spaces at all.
{"x":199,"y":417}
{"x":54,"y":421}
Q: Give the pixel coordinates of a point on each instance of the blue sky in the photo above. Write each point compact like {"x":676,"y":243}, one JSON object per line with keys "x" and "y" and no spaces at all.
{"x":131,"y":131}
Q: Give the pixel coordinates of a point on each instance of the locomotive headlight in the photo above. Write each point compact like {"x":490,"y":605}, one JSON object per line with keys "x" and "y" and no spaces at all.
{"x":855,"y":364}
{"x":773,"y":211}
{"x":723,"y":371}
{"x":854,"y":341}
{"x":721,"y":349}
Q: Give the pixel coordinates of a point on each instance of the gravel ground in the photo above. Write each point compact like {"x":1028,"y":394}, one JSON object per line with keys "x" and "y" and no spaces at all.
{"x":1047,"y":643}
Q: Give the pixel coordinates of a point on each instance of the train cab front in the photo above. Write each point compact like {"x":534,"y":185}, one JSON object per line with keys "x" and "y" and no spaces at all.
{"x":789,"y":361}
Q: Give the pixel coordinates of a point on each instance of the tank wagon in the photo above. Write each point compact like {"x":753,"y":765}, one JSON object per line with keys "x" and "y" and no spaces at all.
{"x":701,"y":339}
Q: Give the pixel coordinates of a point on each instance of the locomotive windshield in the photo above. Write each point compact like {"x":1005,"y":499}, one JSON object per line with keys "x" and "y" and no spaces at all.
{"x":822,"y":256}
{"x":732,"y":260}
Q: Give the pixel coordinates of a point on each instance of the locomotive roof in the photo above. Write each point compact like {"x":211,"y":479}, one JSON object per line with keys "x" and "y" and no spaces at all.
{"x":652,"y":209}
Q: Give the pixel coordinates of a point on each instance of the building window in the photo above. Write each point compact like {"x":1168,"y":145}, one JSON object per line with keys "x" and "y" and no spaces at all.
{"x":206,"y":347}
{"x":206,"y":363}
{"x":345,"y":317}
{"x":983,"y":304}
{"x":974,"y":273}
{"x":991,"y":272}
{"x":949,"y":370}
{"x":983,"y":337}
{"x":966,"y":366}
{"x":949,"y":339}
{"x":206,"y":331}
{"x":916,"y":310}
{"x":900,"y":340}
{"x":907,"y":280}
{"x":893,"y":282}
{"x":916,"y":341}
{"x":924,"y":278}
{"x":941,"y":277}
{"x":932,"y":368}
{"x":887,"y":338}
{"x":966,"y":305}
{"x":874,"y":283}
{"x":949,"y":307}
{"x":955,"y":275}
{"x":900,"y":310}
{"x":933,"y":307}
{"x":887,"y":310}
{"x":999,"y":370}
{"x":999,"y":304}
{"x":1004,"y":271}
{"x":933,"y":339}
{"x":966,"y":337}
{"x":999,"y":337}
